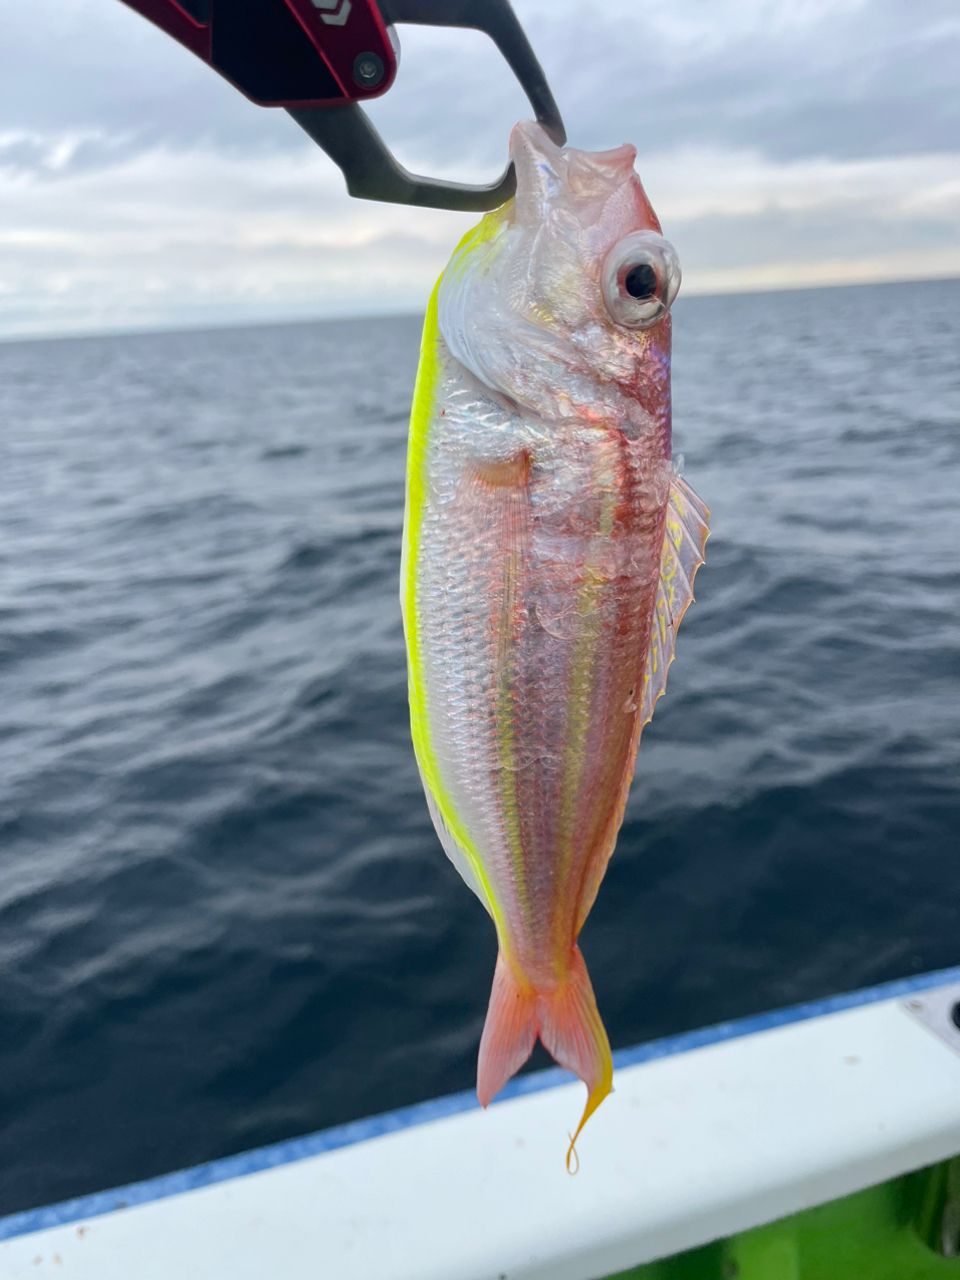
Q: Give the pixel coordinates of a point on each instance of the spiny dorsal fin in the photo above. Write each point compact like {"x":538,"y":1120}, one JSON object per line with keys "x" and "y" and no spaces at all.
{"x":684,"y":538}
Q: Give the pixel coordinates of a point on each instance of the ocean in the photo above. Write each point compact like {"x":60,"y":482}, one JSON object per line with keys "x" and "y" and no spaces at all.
{"x":224,"y":916}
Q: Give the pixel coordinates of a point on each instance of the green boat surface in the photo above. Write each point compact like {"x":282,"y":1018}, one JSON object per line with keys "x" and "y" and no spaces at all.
{"x":904,"y":1229}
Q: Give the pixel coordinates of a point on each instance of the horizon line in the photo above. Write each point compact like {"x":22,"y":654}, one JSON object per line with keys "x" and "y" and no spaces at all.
{"x":278,"y":322}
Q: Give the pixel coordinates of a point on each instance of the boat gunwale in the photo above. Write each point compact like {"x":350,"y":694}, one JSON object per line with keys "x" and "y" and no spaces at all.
{"x":292,"y":1150}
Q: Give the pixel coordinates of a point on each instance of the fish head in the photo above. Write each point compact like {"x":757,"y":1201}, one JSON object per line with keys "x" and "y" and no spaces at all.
{"x":560,"y":300}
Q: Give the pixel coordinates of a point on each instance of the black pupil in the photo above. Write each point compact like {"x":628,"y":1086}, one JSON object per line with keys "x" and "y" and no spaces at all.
{"x":641,"y":281}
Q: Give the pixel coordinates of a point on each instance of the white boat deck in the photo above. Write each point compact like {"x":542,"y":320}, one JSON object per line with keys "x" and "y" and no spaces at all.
{"x":696,"y":1143}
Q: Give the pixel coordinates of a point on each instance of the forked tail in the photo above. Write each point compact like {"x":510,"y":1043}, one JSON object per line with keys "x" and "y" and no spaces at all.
{"x":566,"y":1020}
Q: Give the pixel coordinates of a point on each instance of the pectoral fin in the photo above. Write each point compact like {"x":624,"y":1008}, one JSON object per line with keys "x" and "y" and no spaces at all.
{"x":684,"y":538}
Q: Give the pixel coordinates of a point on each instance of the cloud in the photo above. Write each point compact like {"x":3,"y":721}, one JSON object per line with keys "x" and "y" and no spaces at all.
{"x":787,"y":79}
{"x":199,"y":237}
{"x":745,"y":222}
{"x":782,"y":141}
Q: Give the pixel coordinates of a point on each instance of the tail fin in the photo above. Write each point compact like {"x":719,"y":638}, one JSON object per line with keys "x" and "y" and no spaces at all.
{"x":568,"y":1023}
{"x":509,"y":1033}
{"x":573,"y":1034}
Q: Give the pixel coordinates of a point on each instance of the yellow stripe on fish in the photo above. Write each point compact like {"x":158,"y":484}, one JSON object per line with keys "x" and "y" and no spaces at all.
{"x":422,"y":414}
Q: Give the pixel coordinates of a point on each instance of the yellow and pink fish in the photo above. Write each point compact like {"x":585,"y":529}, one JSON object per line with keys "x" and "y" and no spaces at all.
{"x":549,"y":556}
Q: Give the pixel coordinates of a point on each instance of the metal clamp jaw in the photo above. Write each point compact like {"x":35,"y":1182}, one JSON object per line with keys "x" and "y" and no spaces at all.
{"x":320,"y":59}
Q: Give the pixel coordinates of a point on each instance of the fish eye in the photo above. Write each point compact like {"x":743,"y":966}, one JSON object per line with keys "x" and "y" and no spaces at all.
{"x":641,"y":276}
{"x":641,"y":281}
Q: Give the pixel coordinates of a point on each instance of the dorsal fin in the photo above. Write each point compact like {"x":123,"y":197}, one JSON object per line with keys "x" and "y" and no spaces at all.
{"x":684,"y":537}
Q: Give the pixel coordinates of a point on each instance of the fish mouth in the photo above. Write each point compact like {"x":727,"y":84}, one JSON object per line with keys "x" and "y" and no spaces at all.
{"x":547,"y":173}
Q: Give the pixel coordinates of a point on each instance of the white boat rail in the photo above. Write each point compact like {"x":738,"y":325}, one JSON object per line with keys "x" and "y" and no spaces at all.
{"x":708,"y":1134}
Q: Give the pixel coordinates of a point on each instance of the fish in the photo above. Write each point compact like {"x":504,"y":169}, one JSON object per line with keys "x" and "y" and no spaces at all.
{"x":549,"y":553}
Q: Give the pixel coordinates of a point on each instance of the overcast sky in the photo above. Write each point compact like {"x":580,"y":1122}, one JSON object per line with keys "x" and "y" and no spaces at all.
{"x":783,"y":142}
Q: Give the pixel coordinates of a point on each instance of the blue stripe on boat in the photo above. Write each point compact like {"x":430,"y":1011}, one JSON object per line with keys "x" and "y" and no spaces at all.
{"x":344,"y":1135}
